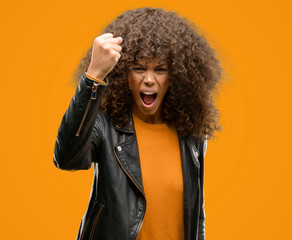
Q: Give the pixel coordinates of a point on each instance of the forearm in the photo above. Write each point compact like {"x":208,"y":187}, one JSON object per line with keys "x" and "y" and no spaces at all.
{"x":73,"y":144}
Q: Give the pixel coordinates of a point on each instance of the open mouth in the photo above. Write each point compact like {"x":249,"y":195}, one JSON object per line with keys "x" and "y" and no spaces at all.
{"x":148,"y":98}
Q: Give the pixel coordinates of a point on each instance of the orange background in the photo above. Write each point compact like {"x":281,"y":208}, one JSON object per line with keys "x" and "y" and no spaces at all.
{"x":248,"y":166}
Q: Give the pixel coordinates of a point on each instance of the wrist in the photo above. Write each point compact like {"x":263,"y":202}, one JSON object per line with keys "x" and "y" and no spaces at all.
{"x":93,"y":78}
{"x":95,"y":74}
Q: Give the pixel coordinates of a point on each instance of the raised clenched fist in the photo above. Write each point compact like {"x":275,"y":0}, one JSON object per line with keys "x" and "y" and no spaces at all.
{"x":105,"y":55}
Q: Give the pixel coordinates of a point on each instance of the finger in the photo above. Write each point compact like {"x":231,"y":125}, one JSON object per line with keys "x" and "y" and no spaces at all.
{"x":120,"y":40}
{"x":112,"y":47}
{"x":117,"y":56}
{"x":116,"y":47}
{"x":109,"y":47}
{"x":106,"y":36}
{"x":117,"y":40}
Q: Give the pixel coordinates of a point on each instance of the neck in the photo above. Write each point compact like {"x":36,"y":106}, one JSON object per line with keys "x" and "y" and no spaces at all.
{"x":152,"y":119}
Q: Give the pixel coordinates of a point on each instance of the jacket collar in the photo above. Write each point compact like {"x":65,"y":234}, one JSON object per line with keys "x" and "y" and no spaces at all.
{"x":127,"y":129}
{"x":128,"y":157}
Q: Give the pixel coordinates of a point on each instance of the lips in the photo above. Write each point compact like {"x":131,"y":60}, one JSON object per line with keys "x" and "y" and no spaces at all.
{"x":148,"y":98}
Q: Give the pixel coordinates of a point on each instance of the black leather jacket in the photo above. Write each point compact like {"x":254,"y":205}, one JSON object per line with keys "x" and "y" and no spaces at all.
{"x":117,"y":203}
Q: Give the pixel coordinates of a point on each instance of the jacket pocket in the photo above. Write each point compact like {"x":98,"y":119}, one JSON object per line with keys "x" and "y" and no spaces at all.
{"x":91,"y":222}
{"x":99,"y":210}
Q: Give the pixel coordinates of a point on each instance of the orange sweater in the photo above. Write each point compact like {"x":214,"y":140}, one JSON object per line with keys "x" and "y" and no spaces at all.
{"x":160,"y":159}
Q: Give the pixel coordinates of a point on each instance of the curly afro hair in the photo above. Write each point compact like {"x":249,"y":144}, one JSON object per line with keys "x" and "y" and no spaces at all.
{"x":194,"y":70}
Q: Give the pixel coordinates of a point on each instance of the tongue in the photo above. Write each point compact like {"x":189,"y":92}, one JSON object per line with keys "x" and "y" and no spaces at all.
{"x":148,"y":99}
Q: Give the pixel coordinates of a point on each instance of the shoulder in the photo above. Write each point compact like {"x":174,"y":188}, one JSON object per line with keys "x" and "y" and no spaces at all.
{"x":101,"y":122}
{"x":101,"y":117}
{"x":199,"y":143}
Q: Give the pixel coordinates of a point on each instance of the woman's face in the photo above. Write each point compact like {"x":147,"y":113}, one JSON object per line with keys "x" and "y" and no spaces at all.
{"x":148,"y":84}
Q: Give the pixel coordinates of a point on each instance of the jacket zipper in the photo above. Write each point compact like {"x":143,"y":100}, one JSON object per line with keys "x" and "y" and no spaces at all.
{"x":139,"y":226}
{"x":198,"y":218}
{"x":141,"y":222}
{"x":93,"y":97}
{"x":85,"y":225}
{"x":101,"y":206}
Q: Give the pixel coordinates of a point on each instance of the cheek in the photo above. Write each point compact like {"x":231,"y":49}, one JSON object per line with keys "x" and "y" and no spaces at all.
{"x":131,"y":84}
{"x":132,"y":88}
{"x":165,"y":85}
{"x":129,"y":80}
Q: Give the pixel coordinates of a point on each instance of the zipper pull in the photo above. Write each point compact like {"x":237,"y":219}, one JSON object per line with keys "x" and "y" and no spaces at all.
{"x":94,"y":91}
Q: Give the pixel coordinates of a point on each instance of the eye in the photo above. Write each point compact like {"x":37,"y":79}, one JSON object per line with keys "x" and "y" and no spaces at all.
{"x":139,"y":69}
{"x":161,"y":69}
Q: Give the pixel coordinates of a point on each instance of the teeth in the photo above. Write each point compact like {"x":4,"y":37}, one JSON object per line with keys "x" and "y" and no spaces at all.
{"x":148,"y":93}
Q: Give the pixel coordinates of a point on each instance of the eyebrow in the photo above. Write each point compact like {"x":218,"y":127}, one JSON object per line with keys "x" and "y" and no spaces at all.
{"x":162,"y":64}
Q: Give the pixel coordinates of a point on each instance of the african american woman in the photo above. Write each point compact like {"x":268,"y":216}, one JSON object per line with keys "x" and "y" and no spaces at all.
{"x":141,"y":116}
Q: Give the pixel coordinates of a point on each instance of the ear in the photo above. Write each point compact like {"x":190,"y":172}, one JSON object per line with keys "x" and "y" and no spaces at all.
{"x":129,"y":81}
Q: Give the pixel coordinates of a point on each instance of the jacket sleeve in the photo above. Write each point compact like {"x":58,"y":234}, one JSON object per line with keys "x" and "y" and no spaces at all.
{"x":79,"y":133}
{"x":202,"y":214}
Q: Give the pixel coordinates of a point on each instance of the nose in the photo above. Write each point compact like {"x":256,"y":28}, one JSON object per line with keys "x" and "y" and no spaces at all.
{"x":149,"y":78}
